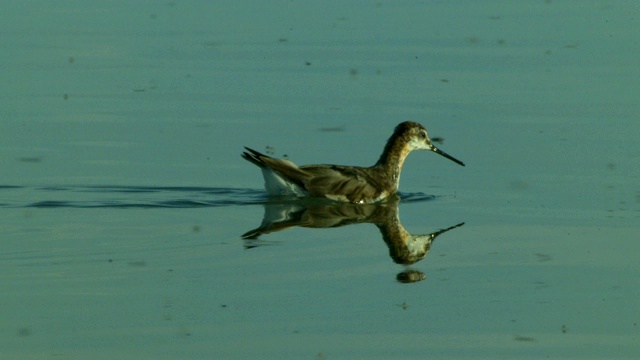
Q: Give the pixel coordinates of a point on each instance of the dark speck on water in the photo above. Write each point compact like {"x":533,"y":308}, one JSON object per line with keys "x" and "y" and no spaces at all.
{"x":524,"y":338}
{"x":33,"y":159}
{"x":438,"y":140}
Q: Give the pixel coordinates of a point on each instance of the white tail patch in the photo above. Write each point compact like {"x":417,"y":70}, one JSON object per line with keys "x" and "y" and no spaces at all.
{"x":277,"y":185}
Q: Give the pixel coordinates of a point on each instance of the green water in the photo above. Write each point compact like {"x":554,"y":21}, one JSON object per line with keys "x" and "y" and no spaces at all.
{"x":124,"y":198}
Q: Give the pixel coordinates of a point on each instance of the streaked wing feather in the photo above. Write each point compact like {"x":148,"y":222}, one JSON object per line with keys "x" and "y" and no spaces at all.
{"x":342,"y":183}
{"x":350,"y":182}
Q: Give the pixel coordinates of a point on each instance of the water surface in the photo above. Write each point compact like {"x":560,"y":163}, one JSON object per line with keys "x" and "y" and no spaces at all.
{"x":124,"y":199}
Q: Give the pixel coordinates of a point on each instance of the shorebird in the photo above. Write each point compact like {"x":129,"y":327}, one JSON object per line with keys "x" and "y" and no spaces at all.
{"x":353,"y":184}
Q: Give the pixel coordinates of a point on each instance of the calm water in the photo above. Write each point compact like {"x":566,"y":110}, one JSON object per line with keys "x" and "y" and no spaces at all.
{"x":132,"y":228}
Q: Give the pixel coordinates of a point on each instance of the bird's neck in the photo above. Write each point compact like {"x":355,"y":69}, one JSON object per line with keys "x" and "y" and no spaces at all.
{"x":392,"y":158}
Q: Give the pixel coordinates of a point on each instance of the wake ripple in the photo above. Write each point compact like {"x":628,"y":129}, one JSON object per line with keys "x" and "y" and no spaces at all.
{"x":108,"y":196}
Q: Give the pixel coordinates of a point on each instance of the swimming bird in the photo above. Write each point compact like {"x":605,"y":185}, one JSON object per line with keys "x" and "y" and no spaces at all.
{"x":353,"y":184}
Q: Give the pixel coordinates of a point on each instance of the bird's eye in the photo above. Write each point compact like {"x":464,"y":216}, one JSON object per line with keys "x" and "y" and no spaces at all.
{"x":423,"y":135}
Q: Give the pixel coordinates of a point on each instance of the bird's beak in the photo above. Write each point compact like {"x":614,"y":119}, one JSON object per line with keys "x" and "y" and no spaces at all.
{"x":440,"y":152}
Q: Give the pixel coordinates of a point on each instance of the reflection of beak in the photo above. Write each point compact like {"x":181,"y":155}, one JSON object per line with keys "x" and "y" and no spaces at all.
{"x":440,"y":152}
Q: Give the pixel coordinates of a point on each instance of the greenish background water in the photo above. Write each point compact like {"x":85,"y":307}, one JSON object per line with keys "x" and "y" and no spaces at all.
{"x":123,"y":195}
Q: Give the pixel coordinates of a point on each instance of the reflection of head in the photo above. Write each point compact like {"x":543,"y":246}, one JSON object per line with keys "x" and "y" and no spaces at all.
{"x":404,"y":248}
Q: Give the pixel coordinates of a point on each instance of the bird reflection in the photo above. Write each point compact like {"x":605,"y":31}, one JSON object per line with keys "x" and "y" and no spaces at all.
{"x":404,"y":248}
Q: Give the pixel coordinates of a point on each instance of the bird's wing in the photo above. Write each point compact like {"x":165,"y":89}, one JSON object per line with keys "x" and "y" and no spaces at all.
{"x":342,"y":183}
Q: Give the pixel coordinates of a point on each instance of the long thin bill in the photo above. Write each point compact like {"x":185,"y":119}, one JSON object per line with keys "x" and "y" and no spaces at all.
{"x":440,"y":152}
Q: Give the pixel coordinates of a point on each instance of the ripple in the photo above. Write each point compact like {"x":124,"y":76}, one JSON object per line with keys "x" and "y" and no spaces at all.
{"x":108,"y":196}
{"x":415,"y":197}
{"x":117,"y":196}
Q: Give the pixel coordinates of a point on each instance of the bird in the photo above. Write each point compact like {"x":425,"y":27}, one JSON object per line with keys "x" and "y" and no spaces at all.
{"x":352,"y":184}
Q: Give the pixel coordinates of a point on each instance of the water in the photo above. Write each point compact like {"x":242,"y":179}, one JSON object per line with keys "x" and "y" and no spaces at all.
{"x":124,"y":198}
